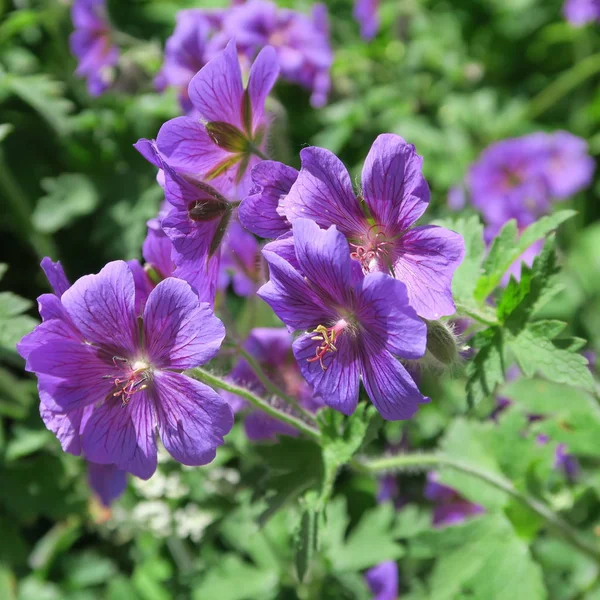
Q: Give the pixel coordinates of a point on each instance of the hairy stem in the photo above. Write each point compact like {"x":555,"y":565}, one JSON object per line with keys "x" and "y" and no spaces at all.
{"x":429,"y":461}
{"x":217,"y":382}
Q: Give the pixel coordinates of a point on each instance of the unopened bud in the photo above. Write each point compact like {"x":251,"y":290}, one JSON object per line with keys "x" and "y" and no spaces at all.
{"x":442,"y":343}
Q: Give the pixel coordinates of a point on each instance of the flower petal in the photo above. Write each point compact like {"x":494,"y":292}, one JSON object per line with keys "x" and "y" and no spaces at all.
{"x":425,"y":261}
{"x":389,"y":385}
{"x":64,"y":425}
{"x":56,"y":276}
{"x":102,"y":307}
{"x":216,"y":90}
{"x":258,"y":212}
{"x":123,"y":435}
{"x":262,"y":78}
{"x":202,"y":276}
{"x":260,"y":427}
{"x":394,"y":188}
{"x":323,"y":193}
{"x":338,"y":383}
{"x":192,"y":418}
{"x":107,"y":481}
{"x":179,"y":331}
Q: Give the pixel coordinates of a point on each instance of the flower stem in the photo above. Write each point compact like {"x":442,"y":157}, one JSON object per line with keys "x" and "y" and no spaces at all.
{"x":270,"y":386}
{"x":429,"y":461}
{"x":217,"y":382}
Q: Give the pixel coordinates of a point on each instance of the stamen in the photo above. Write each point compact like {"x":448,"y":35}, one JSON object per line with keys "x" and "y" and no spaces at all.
{"x":130,"y":381}
{"x":374,"y":245}
{"x":327,"y":336}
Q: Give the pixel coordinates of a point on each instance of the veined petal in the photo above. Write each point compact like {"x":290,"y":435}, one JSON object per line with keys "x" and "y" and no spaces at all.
{"x":388,"y":384}
{"x":191,"y":239}
{"x":202,"y":276}
{"x":56,"y":276}
{"x":108,"y":482}
{"x":262,"y":78}
{"x":179,"y":331}
{"x":426,"y":258}
{"x":192,"y":418}
{"x":123,"y":435}
{"x":102,"y":307}
{"x":64,"y":425}
{"x":394,"y":188}
{"x":54,"y":330}
{"x":216,"y":90}
{"x":323,"y":193}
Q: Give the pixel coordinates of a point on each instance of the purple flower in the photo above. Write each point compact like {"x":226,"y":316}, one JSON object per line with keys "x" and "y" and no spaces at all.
{"x":301,"y":42}
{"x":107,"y":482}
{"x":272,"y":348}
{"x":379,"y":224}
{"x":355,"y":325}
{"x":240,"y":261}
{"x":231,"y":133}
{"x":580,"y":12}
{"x":111,"y":378}
{"x":450,"y":507}
{"x":566,"y":462}
{"x":185,"y":53}
{"x":157,"y":247}
{"x":382,"y":580}
{"x":262,"y":212}
{"x":91,"y":43}
{"x":365,"y":13}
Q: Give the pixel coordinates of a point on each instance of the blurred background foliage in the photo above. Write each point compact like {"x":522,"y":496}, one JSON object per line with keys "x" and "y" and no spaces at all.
{"x":450,"y":76}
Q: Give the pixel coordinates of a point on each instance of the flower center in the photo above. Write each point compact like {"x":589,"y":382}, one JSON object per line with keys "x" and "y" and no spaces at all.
{"x":373,"y":246}
{"x":132,"y":378}
{"x":327,"y":336}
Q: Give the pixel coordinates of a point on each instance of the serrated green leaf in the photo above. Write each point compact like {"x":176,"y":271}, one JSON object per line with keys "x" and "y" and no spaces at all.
{"x":68,"y":196}
{"x":486,"y":370}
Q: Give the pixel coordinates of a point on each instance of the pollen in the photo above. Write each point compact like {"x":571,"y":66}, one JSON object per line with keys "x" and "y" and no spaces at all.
{"x":131,"y":379}
{"x":374,"y":246}
{"x":327,"y":337}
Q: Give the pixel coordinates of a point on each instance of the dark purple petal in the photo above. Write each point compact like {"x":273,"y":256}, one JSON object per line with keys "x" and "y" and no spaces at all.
{"x":64,"y":425}
{"x":426,"y":258}
{"x":337,"y":385}
{"x":216,"y":91}
{"x":201,"y":275}
{"x":261,"y":80}
{"x":56,"y":276}
{"x":394,"y":188}
{"x":107,"y":481}
{"x":102,"y":307}
{"x":123,"y":435}
{"x":192,"y":418}
{"x":388,"y":384}
{"x":382,"y":580}
{"x":323,"y":193}
{"x":455,"y":513}
{"x":259,"y":212}
{"x":143,"y":285}
{"x":157,"y":248}
{"x":179,"y":331}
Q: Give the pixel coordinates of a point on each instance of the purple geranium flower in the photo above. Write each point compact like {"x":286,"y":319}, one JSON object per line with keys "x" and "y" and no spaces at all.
{"x":112,"y":378}
{"x":301,"y":42}
{"x":355,"y":325}
{"x":157,"y":247}
{"x":230,"y":135}
{"x":107,"y":481}
{"x":272,"y":348}
{"x":365,"y":13}
{"x":379,"y":224}
{"x":450,"y":507}
{"x":91,"y":43}
{"x":382,"y":580}
{"x":580,"y":12}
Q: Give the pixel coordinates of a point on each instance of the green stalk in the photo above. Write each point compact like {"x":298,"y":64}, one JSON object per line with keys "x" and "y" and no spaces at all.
{"x":430,"y":461}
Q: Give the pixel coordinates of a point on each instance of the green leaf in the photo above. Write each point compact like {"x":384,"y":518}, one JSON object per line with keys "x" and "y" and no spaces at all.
{"x":486,"y":370}
{"x":307,"y":535}
{"x":506,"y":249}
{"x":58,"y":539}
{"x":26,"y":442}
{"x":68,"y":196}
{"x":13,"y":324}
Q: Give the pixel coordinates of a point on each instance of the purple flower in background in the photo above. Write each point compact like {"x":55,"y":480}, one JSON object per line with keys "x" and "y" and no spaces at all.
{"x":450,"y":507}
{"x":185,"y":53}
{"x":92,"y":45}
{"x":114,"y":378}
{"x":356,"y":325}
{"x":262,"y":212}
{"x":240,"y":261}
{"x":580,"y":12}
{"x":301,"y":42}
{"x":566,"y":462}
{"x":107,"y":482}
{"x":365,"y":13}
{"x":379,"y":224}
{"x":229,"y":136}
{"x":382,"y":580}
{"x":272,"y":348}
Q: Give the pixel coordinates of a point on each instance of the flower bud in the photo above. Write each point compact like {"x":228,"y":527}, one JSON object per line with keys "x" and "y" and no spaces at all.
{"x":443,"y":346}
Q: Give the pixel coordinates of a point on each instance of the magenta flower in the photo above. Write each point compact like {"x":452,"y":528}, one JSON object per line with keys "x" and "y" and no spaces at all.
{"x":580,"y":12}
{"x":112,"y":378}
{"x":365,"y":13}
{"x":107,"y":482}
{"x":272,"y":348}
{"x":92,"y":45}
{"x":355,"y":325}
{"x":230,"y":135}
{"x":382,"y":580}
{"x":379,"y":224}
{"x":301,"y":42}
{"x":450,"y":507}
{"x":262,"y":212}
